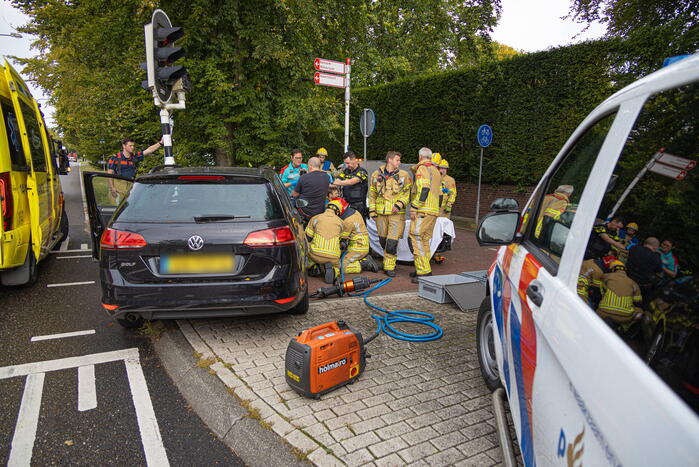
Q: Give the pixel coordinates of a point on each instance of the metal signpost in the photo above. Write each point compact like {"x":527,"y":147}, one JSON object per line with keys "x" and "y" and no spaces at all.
{"x":339,"y":80}
{"x":663,"y":164}
{"x":484,"y":137}
{"x":367,"y":125}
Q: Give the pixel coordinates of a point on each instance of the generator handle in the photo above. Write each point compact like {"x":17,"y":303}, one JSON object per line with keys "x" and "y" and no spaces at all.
{"x":310,"y":333}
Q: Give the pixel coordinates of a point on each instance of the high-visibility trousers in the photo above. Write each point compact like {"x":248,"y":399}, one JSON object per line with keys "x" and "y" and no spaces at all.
{"x":419,"y":238}
{"x":356,"y":251}
{"x":315,"y":258}
{"x":390,"y":229}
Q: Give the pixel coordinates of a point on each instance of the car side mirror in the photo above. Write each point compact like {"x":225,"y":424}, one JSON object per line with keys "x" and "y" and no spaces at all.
{"x":504,"y":204}
{"x":299,"y":203}
{"x":498,"y":228}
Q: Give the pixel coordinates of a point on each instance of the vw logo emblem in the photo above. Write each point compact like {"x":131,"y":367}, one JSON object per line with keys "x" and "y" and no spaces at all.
{"x":195,"y":242}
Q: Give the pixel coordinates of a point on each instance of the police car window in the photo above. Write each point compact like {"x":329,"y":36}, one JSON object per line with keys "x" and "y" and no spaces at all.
{"x":558,"y":206}
{"x":14,"y":137}
{"x":641,"y":265}
{"x":36,"y":142}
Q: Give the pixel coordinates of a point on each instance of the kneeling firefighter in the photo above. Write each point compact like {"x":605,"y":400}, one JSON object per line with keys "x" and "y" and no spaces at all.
{"x":356,"y":236}
{"x":389,"y":194}
{"x":622,"y":296}
{"x":323,"y":233}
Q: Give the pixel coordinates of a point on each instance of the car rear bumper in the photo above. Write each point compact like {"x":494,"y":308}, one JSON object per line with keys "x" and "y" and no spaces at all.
{"x":202,"y":300}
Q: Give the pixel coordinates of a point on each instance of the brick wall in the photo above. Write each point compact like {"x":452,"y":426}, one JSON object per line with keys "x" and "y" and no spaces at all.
{"x":466,"y":194}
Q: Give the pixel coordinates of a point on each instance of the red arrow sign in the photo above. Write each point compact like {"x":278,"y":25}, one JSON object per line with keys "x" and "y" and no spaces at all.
{"x":325,"y":79}
{"x":668,"y":171}
{"x":330,"y":66}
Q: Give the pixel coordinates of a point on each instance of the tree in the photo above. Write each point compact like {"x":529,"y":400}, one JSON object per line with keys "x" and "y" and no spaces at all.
{"x":249,"y":62}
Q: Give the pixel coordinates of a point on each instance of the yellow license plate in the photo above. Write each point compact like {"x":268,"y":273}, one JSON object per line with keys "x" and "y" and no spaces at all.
{"x":197,"y":264}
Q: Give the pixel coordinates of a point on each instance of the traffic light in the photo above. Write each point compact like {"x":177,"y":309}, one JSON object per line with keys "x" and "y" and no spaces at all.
{"x":161,"y":53}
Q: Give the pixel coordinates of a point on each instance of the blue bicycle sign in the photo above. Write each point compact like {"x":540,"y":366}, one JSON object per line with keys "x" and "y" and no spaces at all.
{"x":484,"y":136}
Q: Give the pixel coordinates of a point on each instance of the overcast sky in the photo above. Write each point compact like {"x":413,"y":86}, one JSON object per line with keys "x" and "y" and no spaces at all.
{"x":526,"y":25}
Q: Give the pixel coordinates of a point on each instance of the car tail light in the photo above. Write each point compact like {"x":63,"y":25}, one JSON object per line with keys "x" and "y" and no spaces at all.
{"x":283,"y":301}
{"x":271,"y":237}
{"x":120,"y":240}
{"x":201,"y":177}
{"x":6,"y":201}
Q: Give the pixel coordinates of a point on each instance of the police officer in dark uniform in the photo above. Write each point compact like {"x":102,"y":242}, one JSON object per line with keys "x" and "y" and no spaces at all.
{"x":354,"y":181}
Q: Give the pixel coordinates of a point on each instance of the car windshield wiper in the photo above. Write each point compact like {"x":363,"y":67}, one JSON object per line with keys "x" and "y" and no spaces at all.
{"x":217,"y":218}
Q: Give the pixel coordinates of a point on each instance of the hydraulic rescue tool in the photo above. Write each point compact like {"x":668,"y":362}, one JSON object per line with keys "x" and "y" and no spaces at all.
{"x":346,"y":287}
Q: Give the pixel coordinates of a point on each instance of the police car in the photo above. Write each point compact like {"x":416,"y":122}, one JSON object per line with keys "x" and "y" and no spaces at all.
{"x":579,"y":390}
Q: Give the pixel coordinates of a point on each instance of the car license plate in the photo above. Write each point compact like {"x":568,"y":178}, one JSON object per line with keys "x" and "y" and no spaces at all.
{"x":197,"y":264}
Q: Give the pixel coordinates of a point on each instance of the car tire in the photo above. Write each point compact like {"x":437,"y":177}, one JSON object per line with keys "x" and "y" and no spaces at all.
{"x":301,"y":307}
{"x":485,"y":344}
{"x":24,"y":275}
{"x":131,"y":321}
{"x":64,"y":228}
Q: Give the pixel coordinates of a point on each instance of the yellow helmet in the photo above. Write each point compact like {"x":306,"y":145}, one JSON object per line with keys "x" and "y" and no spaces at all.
{"x":321,"y":152}
{"x":632,"y":225}
{"x":444,"y":164}
{"x":436,"y":158}
{"x":336,"y":205}
{"x":616,"y":264}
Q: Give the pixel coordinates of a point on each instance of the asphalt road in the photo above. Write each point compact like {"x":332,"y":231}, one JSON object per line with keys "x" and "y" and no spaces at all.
{"x":101,"y":398}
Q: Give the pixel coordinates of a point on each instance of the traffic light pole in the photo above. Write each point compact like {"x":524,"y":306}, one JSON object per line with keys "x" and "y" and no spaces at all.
{"x":166,"y":125}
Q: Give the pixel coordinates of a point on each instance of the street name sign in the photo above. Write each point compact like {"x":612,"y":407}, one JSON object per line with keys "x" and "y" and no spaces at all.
{"x":676,"y":161}
{"x":326,"y":79}
{"x":330,"y":66}
{"x":668,"y":171}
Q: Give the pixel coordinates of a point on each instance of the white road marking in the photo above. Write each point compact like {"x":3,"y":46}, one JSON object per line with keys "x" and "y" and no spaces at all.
{"x":27,"y":421}
{"x":493,"y":249}
{"x":64,"y":244}
{"x":147,"y":423}
{"x":87,"y":390}
{"x":74,"y":256}
{"x":83,"y":246}
{"x":67,"y":251}
{"x":61,"y":336}
{"x":25,"y":432}
{"x":67,"y":284}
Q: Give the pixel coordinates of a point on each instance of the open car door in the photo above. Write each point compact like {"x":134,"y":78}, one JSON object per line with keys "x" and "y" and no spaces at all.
{"x":103,"y":193}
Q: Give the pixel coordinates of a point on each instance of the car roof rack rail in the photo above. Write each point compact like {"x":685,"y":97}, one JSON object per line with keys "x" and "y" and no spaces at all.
{"x":160,"y":167}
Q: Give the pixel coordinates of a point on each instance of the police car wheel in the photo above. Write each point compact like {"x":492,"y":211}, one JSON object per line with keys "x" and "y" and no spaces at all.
{"x":485,"y":343}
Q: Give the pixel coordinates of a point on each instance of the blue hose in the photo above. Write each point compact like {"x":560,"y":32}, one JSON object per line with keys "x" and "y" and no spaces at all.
{"x":385,"y":322}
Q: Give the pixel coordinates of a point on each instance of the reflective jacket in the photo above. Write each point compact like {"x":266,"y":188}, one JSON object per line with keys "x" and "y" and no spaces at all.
{"x":553,"y":206}
{"x":354,"y":193}
{"x":448,"y":192}
{"x":323,"y":232}
{"x":620,"y":293}
{"x":354,"y":229}
{"x":388,"y":189}
{"x":591,"y":275}
{"x":427,"y":188}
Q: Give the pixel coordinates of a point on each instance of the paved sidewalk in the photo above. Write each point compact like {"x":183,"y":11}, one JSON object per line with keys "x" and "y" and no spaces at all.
{"x":416,"y":403}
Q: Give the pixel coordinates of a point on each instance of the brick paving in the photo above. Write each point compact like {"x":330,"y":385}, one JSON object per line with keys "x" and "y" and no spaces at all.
{"x":416,"y":403}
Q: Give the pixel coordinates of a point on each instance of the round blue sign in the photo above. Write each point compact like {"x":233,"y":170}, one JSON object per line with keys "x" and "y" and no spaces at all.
{"x":484,"y":135}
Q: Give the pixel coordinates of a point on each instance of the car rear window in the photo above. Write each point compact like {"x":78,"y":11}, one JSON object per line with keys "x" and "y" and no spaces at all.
{"x":173,"y":200}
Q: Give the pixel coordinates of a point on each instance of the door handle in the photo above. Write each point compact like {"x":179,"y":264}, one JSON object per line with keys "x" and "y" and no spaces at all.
{"x":534,"y":293}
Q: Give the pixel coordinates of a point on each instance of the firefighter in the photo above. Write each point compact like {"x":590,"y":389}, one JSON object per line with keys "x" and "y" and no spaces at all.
{"x":356,"y":237}
{"x":621,"y":295}
{"x":389,"y":194}
{"x":325,"y":165}
{"x":448,"y":190}
{"x":553,"y":206}
{"x":323,"y":233}
{"x":590,"y":281}
{"x":424,"y":210}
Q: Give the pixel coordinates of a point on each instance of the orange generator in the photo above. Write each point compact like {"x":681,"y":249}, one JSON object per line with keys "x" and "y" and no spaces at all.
{"x":323,"y":358}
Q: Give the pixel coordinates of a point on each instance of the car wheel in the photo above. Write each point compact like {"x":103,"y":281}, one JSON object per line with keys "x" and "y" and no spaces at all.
{"x":302,"y":307}
{"x":131,"y":320}
{"x":485,"y":343}
{"x":24,"y":275}
{"x":64,"y":228}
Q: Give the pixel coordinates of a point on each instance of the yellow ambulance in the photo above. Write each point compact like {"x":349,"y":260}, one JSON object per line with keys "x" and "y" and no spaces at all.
{"x":32,"y":216}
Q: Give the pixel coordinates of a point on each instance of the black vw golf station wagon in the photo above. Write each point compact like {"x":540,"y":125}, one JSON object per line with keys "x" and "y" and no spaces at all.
{"x":196,"y":242}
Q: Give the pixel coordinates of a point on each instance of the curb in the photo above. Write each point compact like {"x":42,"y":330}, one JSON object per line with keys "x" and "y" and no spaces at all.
{"x":212,"y":401}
